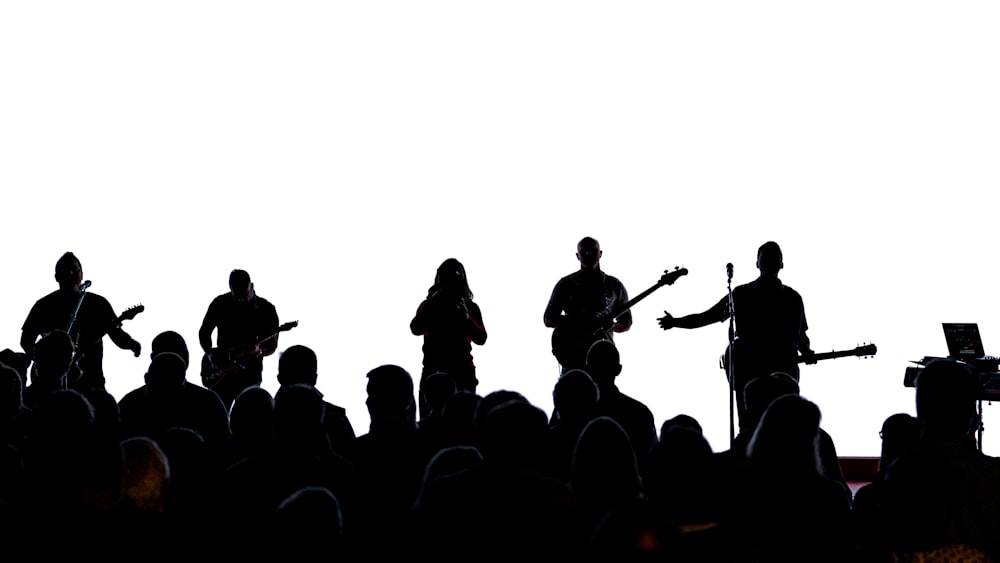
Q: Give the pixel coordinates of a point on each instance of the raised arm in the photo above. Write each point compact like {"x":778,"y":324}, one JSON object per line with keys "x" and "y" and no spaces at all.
{"x":715,"y":314}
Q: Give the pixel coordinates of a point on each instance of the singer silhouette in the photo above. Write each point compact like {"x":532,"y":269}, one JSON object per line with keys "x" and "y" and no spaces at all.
{"x":770,"y":332}
{"x":449,"y":322}
{"x":86,"y":316}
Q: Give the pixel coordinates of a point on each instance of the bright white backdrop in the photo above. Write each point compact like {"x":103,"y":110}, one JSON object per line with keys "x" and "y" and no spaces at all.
{"x":339,"y":151}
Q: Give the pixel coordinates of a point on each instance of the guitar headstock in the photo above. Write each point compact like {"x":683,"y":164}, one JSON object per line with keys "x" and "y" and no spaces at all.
{"x":865,"y":350}
{"x":670,"y":276}
{"x":287,"y":326}
{"x":131,"y":312}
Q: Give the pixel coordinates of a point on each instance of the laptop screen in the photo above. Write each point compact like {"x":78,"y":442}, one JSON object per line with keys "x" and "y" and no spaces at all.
{"x":964,"y":342}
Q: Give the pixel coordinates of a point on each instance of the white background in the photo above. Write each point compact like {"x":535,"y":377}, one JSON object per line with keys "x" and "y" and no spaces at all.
{"x":339,"y":151}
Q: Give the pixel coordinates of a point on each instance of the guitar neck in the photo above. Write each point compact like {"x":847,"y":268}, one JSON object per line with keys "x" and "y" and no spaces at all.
{"x":863,"y":351}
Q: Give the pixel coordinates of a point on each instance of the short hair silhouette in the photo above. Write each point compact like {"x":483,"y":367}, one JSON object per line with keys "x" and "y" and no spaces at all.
{"x":297,"y":364}
{"x":170,"y":341}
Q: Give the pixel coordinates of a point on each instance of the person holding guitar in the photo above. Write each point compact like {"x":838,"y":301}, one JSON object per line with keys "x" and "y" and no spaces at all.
{"x":86,"y":316}
{"x":246,"y":330}
{"x":581,"y":308}
{"x":769,"y":328}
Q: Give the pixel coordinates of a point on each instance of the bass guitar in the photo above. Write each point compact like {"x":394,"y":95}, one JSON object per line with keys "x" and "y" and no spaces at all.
{"x":231,"y":360}
{"x":571,"y":339}
{"x":864,"y":351}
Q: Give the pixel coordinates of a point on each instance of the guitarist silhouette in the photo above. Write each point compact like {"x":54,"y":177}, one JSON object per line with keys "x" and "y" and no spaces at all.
{"x":770,"y":328}
{"x":590,"y":305}
{"x":240,"y":319}
{"x":583,"y":301}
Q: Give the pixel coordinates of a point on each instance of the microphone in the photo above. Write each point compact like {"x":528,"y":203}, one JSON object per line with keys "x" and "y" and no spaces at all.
{"x":84,"y":285}
{"x":729,"y":270}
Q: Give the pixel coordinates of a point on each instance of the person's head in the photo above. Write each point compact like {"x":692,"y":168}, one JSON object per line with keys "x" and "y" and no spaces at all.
{"x":575,"y":395}
{"x":759,"y":392}
{"x":297,"y":364}
{"x":588,"y":252}
{"x":946,"y":395}
{"x":298,"y":412}
{"x":436,"y":389}
{"x":899,"y":433}
{"x":490,"y":401}
{"x":146,"y":478}
{"x":390,"y":394}
{"x":604,"y":467}
{"x":165,"y":375}
{"x":253,"y":412}
{"x":787,"y":436}
{"x":241,"y":286}
{"x":603,"y":362}
{"x":769,"y":259}
{"x":53,"y":356}
{"x":169,"y":341}
{"x":18,"y":361}
{"x":451,"y":280}
{"x":680,"y":421}
{"x":512,"y":434}
{"x":311,"y":514}
{"x":11,"y":394}
{"x":69,"y":272}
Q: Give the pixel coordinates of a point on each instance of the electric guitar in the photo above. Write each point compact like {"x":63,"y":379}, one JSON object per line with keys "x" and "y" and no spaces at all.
{"x":130,"y":313}
{"x":571,"y":338}
{"x":231,"y":360}
{"x":865,"y":351}
{"x":126,"y":315}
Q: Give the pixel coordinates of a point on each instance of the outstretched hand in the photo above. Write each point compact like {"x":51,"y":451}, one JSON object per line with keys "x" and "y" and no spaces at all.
{"x":666,"y":321}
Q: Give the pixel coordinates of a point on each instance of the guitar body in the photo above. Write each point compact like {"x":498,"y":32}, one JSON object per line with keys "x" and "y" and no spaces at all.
{"x":748,"y":362}
{"x":571,"y":339}
{"x":211,"y":373}
{"x":234,"y":360}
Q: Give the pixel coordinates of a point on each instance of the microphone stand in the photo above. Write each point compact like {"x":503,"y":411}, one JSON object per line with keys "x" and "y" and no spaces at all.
{"x":732,"y":351}
{"x":72,"y":320}
{"x":76,"y":310}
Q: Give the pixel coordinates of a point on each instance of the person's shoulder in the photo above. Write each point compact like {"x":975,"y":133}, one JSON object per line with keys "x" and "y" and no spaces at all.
{"x":613,"y":280}
{"x":631,"y":404}
{"x":334,"y":410}
{"x":205,"y":398}
{"x":46,"y":300}
{"x":568,"y":278}
{"x":98,"y":299}
{"x":134,"y":396}
{"x":263,"y":303}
